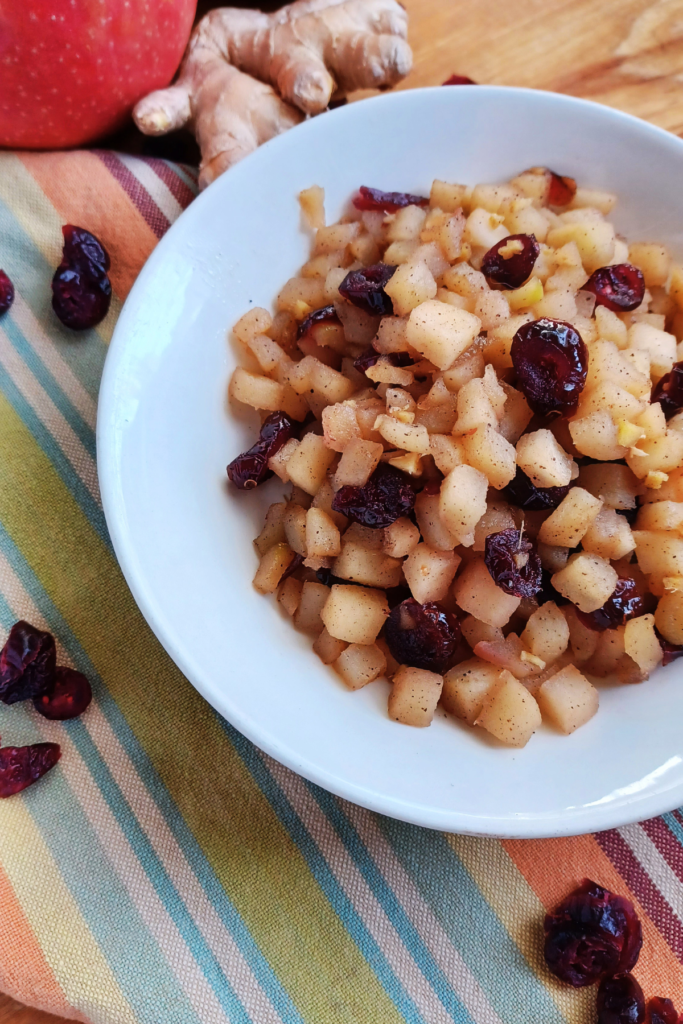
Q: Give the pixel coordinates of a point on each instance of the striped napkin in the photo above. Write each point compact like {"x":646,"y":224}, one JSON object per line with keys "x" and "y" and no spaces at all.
{"x":167,"y":872}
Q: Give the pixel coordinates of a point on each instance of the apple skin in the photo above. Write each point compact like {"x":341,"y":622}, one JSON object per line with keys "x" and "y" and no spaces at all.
{"x":72,"y":70}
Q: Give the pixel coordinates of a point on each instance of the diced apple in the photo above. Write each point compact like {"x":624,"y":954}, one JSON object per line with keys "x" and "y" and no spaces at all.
{"x":255,"y":390}
{"x":400,"y":538}
{"x":328,"y":648}
{"x":359,"y":461}
{"x":475,"y":631}
{"x":429,"y":572}
{"x":661,"y":454}
{"x":516,"y":415}
{"x":441,"y":332}
{"x":465,"y":688}
{"x":308,"y":465}
{"x":660,"y":346}
{"x":410,"y":285}
{"x":414,"y":696}
{"x":477,"y":594}
{"x":410,"y":437}
{"x":308,"y":616}
{"x":595,"y":241}
{"x":568,"y":700}
{"x":510,"y":713}
{"x":486,"y":450}
{"x":653,"y":260}
{"x":609,"y":536}
{"x":340,"y":425}
{"x":354,"y":614}
{"x":543,"y":460}
{"x":369,"y":568}
{"x":659,"y":553}
{"x":641,"y":643}
{"x":294,"y":522}
{"x":273,"y":531}
{"x":359,"y":664}
{"x":289,"y":594}
{"x":546,"y":633}
{"x":498,"y":516}
{"x":661,"y":516}
{"x":255,"y":321}
{"x":614,"y":483}
{"x":463,"y":502}
{"x":610,"y":327}
{"x":669,"y":616}
{"x":583,"y":641}
{"x":322,"y":535}
{"x":433,"y":529}
{"x":597,"y":436}
{"x":272,"y":567}
{"x":567,"y":524}
{"x":446,"y":451}
{"x":510,"y":653}
{"x":587,"y":581}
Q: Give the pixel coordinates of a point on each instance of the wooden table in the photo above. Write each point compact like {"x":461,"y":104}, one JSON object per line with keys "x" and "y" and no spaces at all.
{"x":625,"y":53}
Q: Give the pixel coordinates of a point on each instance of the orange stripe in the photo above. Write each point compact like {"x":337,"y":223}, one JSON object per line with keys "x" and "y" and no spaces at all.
{"x":24,"y":972}
{"x":658,"y":969}
{"x":84,"y":193}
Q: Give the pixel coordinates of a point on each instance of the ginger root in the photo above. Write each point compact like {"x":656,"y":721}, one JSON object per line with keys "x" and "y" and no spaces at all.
{"x":247,"y":76}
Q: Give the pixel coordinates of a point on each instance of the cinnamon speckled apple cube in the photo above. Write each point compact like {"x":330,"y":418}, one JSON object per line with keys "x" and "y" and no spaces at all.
{"x":414,"y":696}
{"x":509,"y":712}
{"x":568,"y":700}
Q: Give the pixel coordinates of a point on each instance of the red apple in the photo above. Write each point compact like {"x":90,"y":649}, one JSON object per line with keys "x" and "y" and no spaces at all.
{"x":71,"y":70}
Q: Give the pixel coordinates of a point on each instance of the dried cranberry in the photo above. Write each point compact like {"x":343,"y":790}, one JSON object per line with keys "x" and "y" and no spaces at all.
{"x":370,"y":357}
{"x":592,"y":933}
{"x":458,"y":80}
{"x":27,"y":663}
{"x":668,"y":391}
{"x":561,"y":190}
{"x":523,"y":493}
{"x":422,"y":635}
{"x":511,"y":271}
{"x":6,"y":292}
{"x":624,"y":603}
{"x":69,"y":698}
{"x":292,"y":567}
{"x":365,"y":289}
{"x":551,"y":363}
{"x":670,"y":652}
{"x":20,"y":767}
{"x":380,"y":502}
{"x":548,"y":592}
{"x":251,"y":468}
{"x":620,"y":288}
{"x":326,"y":314}
{"x":661,"y":1011}
{"x":81,"y":289}
{"x":620,"y":1001}
{"x":513,"y":563}
{"x":387,"y":202}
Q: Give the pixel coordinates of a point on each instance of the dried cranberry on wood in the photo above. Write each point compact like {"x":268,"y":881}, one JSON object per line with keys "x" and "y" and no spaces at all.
{"x":387,"y":202}
{"x":668,"y":391}
{"x":250,"y":468}
{"x":459,"y":80}
{"x":365,"y":289}
{"x":661,"y":1011}
{"x":20,"y":767}
{"x":620,"y":288}
{"x":81,"y":289}
{"x":69,"y":698}
{"x":620,"y":1001}
{"x":551,"y":363}
{"x":523,"y":493}
{"x":6,"y":292}
{"x":513,"y":563}
{"x":27,"y":663}
{"x":512,"y":270}
{"x":623,"y":604}
{"x":422,"y":635}
{"x":591,"y":934}
{"x":386,"y":497}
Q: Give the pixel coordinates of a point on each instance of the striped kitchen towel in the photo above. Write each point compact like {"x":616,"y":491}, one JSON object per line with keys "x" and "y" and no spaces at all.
{"x":167,"y":872}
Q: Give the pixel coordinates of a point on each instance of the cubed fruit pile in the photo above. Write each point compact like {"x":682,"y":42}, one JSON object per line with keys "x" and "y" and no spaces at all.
{"x":475,"y":401}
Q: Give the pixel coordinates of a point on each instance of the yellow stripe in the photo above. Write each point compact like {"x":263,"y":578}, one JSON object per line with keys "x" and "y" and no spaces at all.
{"x":41,"y":222}
{"x":253,"y":856}
{"x":521,"y":913}
{"x":67,"y":943}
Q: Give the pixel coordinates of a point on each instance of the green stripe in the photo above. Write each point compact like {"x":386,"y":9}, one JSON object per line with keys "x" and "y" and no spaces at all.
{"x":257,"y":863}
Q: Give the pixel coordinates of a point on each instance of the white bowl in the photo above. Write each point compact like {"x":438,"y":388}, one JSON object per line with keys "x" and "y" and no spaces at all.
{"x":165,"y":435}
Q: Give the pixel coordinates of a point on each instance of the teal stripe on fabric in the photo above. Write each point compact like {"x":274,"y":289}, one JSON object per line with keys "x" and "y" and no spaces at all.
{"x":142,"y":972}
{"x":390,"y":904}
{"x":83,"y":351}
{"x":673,"y":825}
{"x":321,"y":871}
{"x":457,"y":902}
{"x":214,"y":891}
{"x":84,"y":432}
{"x":80,"y":493}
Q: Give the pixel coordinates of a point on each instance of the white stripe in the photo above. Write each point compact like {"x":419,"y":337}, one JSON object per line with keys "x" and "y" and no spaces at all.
{"x":49,"y":415}
{"x":663,"y":876}
{"x":244,"y":983}
{"x":47,"y":349}
{"x":360,"y":894}
{"x":422,"y":917}
{"x":152,"y":183}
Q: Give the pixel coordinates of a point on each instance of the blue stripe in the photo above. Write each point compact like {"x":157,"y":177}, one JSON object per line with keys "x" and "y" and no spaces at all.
{"x":213,"y":889}
{"x":25,"y":350}
{"x":322,"y":873}
{"x":83,"y":351}
{"x":54,"y":453}
{"x":674,"y":825}
{"x":471,"y":925}
{"x":390,"y":904}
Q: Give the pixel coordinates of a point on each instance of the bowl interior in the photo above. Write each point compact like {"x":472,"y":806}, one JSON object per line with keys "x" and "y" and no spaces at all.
{"x":165,"y":435}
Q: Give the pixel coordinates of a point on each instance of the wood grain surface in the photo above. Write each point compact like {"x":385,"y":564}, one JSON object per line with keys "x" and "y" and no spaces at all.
{"x":625,"y":53}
